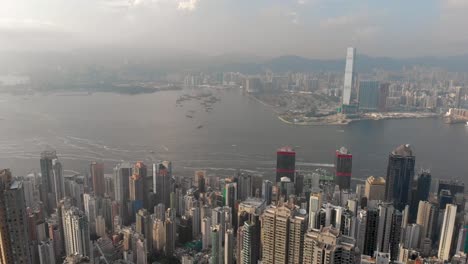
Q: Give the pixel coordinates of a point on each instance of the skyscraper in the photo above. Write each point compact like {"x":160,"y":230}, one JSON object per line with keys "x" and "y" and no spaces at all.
{"x":244,"y":186}
{"x":400,"y":173}
{"x":52,"y":185}
{"x":447,"y":232}
{"x":250,"y":242}
{"x":375,"y":188}
{"x":46,"y":252}
{"x":216,"y":245}
{"x":267,"y":188}
{"x":275,"y":234}
{"x":14,"y":242}
{"x":229,"y":246}
{"x":122,"y":173}
{"x":343,"y":168}
{"x":420,"y":192}
{"x":328,"y":246}
{"x":427,"y":219}
{"x":76,"y":232}
{"x":162,"y":174}
{"x":368,"y":95}
{"x":297,"y":229}
{"x":285,"y":163}
{"x":315,"y":204}
{"x":97,"y":177}
{"x":349,"y":76}
{"x":137,"y":189}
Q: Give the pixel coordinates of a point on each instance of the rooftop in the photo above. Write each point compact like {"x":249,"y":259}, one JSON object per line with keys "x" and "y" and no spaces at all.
{"x":403,"y":150}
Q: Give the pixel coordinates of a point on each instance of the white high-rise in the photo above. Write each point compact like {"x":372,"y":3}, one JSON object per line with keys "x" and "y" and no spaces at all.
{"x":348,"y":84}
{"x":447,"y":232}
{"x":76,"y":232}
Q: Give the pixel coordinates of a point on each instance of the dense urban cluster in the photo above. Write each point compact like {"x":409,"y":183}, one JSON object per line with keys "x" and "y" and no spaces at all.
{"x":140,"y":214}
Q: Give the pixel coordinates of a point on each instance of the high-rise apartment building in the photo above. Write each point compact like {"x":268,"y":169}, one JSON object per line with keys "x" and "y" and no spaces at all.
{"x":447,"y":232}
{"x":275,"y":236}
{"x":328,"y":246}
{"x":76,"y":232}
{"x":14,"y":241}
{"x":427,"y":219}
{"x":297,"y":229}
{"x":315,"y":204}
{"x":400,"y":173}
{"x":122,"y":173}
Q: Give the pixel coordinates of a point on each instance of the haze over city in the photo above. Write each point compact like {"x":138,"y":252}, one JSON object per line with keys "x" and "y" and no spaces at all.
{"x":310,"y":28}
{"x":233,"y":132}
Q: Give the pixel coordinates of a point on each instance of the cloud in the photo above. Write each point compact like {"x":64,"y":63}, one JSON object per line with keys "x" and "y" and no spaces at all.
{"x":188,"y":5}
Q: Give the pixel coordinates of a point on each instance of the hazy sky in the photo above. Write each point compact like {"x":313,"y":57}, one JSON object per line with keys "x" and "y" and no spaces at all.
{"x":312,"y":28}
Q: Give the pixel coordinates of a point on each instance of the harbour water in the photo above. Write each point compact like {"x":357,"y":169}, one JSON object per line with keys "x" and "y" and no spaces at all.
{"x":239,"y":133}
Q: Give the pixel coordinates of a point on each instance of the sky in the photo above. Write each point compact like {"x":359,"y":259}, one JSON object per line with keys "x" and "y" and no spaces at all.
{"x":309,"y":28}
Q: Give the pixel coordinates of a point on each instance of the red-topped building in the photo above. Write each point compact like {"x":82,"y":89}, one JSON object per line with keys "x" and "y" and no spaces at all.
{"x":343,"y":168}
{"x":285,"y":163}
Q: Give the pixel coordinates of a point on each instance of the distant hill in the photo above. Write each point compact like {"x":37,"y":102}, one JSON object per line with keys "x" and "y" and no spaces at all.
{"x":363,"y":64}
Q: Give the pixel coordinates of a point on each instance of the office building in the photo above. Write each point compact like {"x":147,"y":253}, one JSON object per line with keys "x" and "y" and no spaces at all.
{"x":76,"y":232}
{"x":375,"y":189}
{"x":447,"y":232}
{"x":349,"y":78}
{"x":162,"y":178}
{"x":216,"y":246}
{"x":267,"y":188}
{"x":328,"y":246}
{"x":137,"y":189}
{"x":244,"y":186}
{"x":400,"y":173}
{"x":52,"y":182}
{"x":251,"y":242}
{"x":122,"y":173}
{"x":285,"y":163}
{"x":14,"y":241}
{"x":454,"y":186}
{"x":97,"y":178}
{"x":383,"y":94}
{"x":343,"y":168}
{"x":369,"y":96}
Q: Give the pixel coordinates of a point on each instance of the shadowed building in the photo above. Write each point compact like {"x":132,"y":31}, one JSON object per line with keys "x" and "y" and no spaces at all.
{"x":400,"y":173}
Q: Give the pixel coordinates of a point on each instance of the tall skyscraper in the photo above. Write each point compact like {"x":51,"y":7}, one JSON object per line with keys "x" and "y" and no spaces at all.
{"x":369,"y":96}
{"x":97,"y":177}
{"x":216,"y":246}
{"x":371,"y":232}
{"x":14,"y":241}
{"x":389,"y":230}
{"x":400,"y":173}
{"x":419,"y":192}
{"x":244,"y":186}
{"x":349,"y":78}
{"x":297,"y":229}
{"x":76,"y":232}
{"x":375,"y":189}
{"x":275,"y":233}
{"x":427,"y":219}
{"x":315,"y":204}
{"x":250,"y":242}
{"x":328,"y":246}
{"x":52,"y":184}
{"x":162,"y":175}
{"x":383,"y":94}
{"x":229,"y":246}
{"x":122,"y":173}
{"x":343,"y":168}
{"x":285,"y":163}
{"x":447,"y":232}
{"x":267,"y":188}
{"x":137,"y":189}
